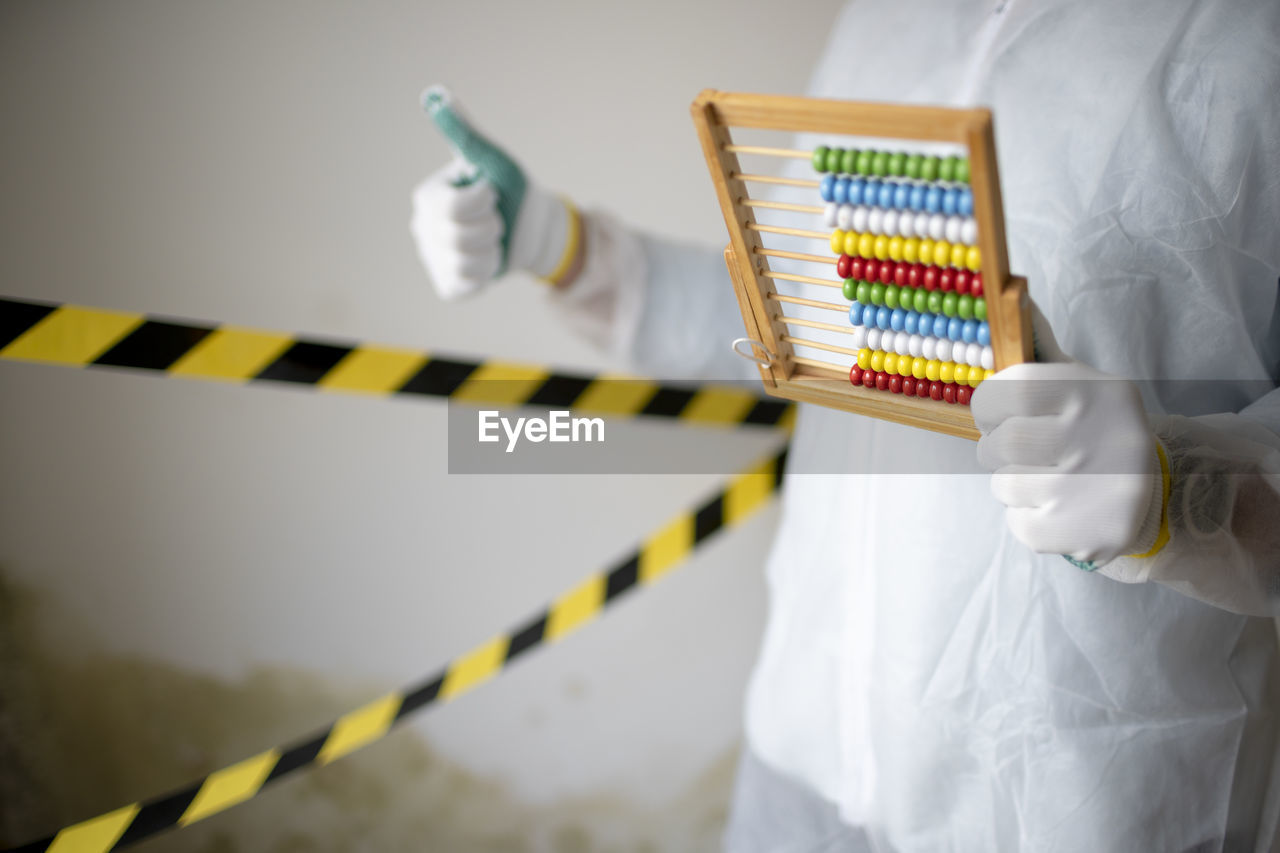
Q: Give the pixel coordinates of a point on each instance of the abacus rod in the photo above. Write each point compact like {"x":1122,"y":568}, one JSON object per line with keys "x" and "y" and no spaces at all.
{"x":791,"y":232}
{"x":819,"y":345}
{"x":812,"y":303}
{"x":770,"y":179}
{"x":814,"y":324}
{"x":813,"y":362}
{"x":796,"y":256}
{"x":804,"y":279}
{"x":779,"y":205}
{"x":769,"y":152}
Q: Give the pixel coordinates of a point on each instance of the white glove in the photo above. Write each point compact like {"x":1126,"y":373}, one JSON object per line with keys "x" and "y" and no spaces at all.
{"x":1074,"y":460}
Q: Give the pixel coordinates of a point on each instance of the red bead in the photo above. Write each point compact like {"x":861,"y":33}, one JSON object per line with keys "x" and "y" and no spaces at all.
{"x":844,"y":267}
{"x":857,"y":269}
{"x":976,"y":287}
{"x":915,"y":275}
{"x":935,"y":390}
{"x":882,"y":380}
{"x":949,"y":392}
{"x":895,"y":384}
{"x":900,"y":274}
{"x":963,"y":394}
{"x":963,"y":279}
{"x":930,"y":278}
{"x":947,"y":279}
{"x":922,"y":388}
{"x":855,"y":375}
{"x":869,"y":378}
{"x":886,"y":271}
{"x":909,"y":386}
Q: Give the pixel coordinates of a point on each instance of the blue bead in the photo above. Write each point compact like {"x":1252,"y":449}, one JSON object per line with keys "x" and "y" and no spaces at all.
{"x":926,"y":324}
{"x":955,"y":327}
{"x":969,"y":332}
{"x":855,"y":313}
{"x":917,"y":197}
{"x":964,"y":204}
{"x":984,"y":334}
{"x":911,"y":324}
{"x":896,"y":319}
{"x":884,"y":317}
{"x":885,"y":198}
{"x":871,"y":192}
{"x":932,"y":199}
{"x":841,"y":194}
{"x":856,"y":187}
{"x":940,"y":325}
{"x":949,"y":201}
{"x":902,"y":196}
{"x":827,"y":188}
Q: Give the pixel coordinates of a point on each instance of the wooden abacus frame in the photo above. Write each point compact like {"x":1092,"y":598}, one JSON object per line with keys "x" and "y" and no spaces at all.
{"x":809,"y":380}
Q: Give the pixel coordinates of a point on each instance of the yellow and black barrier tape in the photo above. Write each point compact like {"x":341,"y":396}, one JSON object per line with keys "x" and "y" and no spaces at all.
{"x":230,"y":786}
{"x":80,"y":336}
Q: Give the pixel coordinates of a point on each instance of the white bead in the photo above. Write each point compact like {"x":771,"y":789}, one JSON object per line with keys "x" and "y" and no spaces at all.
{"x":859,"y":337}
{"x":988,"y":358}
{"x":915,"y":346}
{"x":902,"y":343}
{"x":969,"y":232}
{"x":937,"y":226}
{"x":973,"y":355}
{"x":844,"y":217}
{"x":944,"y":349}
{"x":875,"y":221}
{"x":873,"y":338}
{"x":891,"y":222}
{"x":906,"y":224}
{"x":921,"y":225}
{"x":953,"y":229}
{"x":929,"y":349}
{"x":829,"y":214}
{"x":860,"y":219}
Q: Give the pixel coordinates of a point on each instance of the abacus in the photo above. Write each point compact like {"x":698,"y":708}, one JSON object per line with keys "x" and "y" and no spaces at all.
{"x":917,"y":241}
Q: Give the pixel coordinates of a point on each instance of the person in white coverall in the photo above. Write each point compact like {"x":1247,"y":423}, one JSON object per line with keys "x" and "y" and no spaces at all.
{"x":965,"y":687}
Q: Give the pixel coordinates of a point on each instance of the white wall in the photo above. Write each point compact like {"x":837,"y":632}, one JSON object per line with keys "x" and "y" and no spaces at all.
{"x":251,"y":163}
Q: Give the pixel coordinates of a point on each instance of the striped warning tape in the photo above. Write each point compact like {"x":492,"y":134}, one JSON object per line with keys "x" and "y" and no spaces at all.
{"x":232,"y":785}
{"x":78,"y":336}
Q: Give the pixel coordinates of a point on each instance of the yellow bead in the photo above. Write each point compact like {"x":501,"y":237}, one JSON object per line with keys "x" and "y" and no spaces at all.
{"x":837,"y":241}
{"x":911,"y":250}
{"x":947,"y":371}
{"x":918,"y":365}
{"x":905,"y":365}
{"x":988,"y":374}
{"x":932,"y":370}
{"x":973,"y":259}
{"x":864,"y":358}
{"x":959,"y":254}
{"x":975,"y":377}
{"x":882,"y":248}
{"x":961,"y":374}
{"x":941,"y":253}
{"x":895,"y":248}
{"x":926,"y":251}
{"x":851,"y":242}
{"x":891,"y":363}
{"x":877,"y":361}
{"x":866,"y":245}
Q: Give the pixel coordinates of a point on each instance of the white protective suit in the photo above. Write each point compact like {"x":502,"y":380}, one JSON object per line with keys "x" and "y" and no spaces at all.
{"x":958,"y":691}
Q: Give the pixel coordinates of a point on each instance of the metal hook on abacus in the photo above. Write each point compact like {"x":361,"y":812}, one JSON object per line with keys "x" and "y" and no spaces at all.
{"x":766,"y":361}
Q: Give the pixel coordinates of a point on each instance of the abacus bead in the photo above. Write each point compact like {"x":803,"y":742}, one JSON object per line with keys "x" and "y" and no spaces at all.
{"x":949,"y":304}
{"x":834,"y":155}
{"x":849,"y":161}
{"x":947,"y":169}
{"x":902,"y":343}
{"x":946,"y":280}
{"x":906,"y":224}
{"x":980,"y":308}
{"x":881,"y":247}
{"x":964,"y":394}
{"x":926,"y":251}
{"x":912,"y":167}
{"x":859,"y":337}
{"x":915,"y":344}
{"x":988,"y":360}
{"x":933,"y":200}
{"x":917,"y":197}
{"x":915,"y":275}
{"x":929,"y":169}
{"x":844,"y":267}
{"x":909,"y":386}
{"x":955,"y":329}
{"x":941,"y":252}
{"x":920,"y":300}
{"x":969,"y":333}
{"x":961,"y":373}
{"x":937,"y":226}
{"x":897,"y":163}
{"x":882,"y":381}
{"x":859,"y":218}
{"x":855,"y":375}
{"x":863,"y":162}
{"x":973,"y":355}
{"x":884,"y":316}
{"x":877,"y":294}
{"x":837,"y":241}
{"x":953,"y":229}
{"x":875,"y":220}
{"x":856,"y":187}
{"x":935,"y":303}
{"x":947,"y":371}
{"x":910,"y":248}
{"x":866,"y":245}
{"x":877,"y":361}
{"x":886,"y":271}
{"x":831,"y":214}
{"x":977,"y":284}
{"x":895,"y":384}
{"x":863,"y":292}
{"x":900,"y":273}
{"x":964,"y":307}
{"x":936,"y":390}
{"x":840,"y":193}
{"x":973,"y":258}
{"x":885,"y":197}
{"x":988,"y":373}
{"x":868,"y":379}
{"x":931,"y":279}
{"x":963,"y":279}
{"x":922,"y":389}
{"x":827,"y":187}
{"x":873,"y":334}
{"x":895,"y":248}
{"x":929,"y":350}
{"x":911,"y":322}
{"x":852,"y":240}
{"x":949,"y":201}
{"x":897,"y":318}
{"x":890,"y":363}
{"x":891,"y":297}
{"x":984,"y":334}
{"x":946,"y":350}
{"x":850,"y":289}
{"x":940,"y":321}
{"x":920,"y":224}
{"x":864,"y":358}
{"x":969,"y":231}
{"x":975,"y":377}
{"x":962,"y":170}
{"x":857,"y":268}
{"x":933,"y":369}
{"x":880,"y":163}
{"x":964,"y":202}
{"x":902,"y":196}
{"x":890,"y":223}
{"x":918,"y":367}
{"x":820,"y":158}
{"x":855,"y":314}
{"x":949,"y":392}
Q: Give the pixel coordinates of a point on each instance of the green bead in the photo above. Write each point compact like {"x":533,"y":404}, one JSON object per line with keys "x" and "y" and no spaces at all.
{"x":929,"y":169}
{"x":833,"y":159}
{"x":891,"y":296}
{"x":877,"y":294}
{"x":864,"y":162}
{"x":947,"y":169}
{"x":980,"y":308}
{"x":913,"y":165}
{"x":848,"y":161}
{"x":964,"y":307}
{"x":962,"y":170}
{"x":850,"y":289}
{"x":820,"y":158}
{"x":935,"y":301}
{"x":880,"y":163}
{"x":897,"y":163}
{"x":949,"y":304}
{"x":864,"y":292}
{"x":920,"y":300}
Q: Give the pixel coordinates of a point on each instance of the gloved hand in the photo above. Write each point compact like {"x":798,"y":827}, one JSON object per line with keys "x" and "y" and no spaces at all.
{"x":1074,"y":459}
{"x":479,"y":216}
